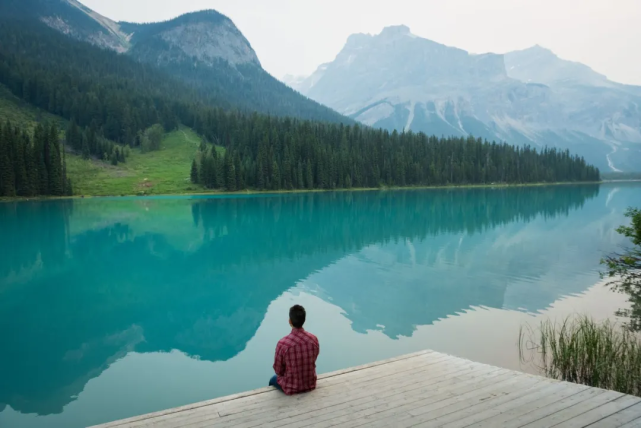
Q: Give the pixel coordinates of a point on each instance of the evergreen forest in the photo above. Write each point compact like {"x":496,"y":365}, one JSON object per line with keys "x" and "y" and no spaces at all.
{"x":32,"y":165}
{"x":272,"y":154}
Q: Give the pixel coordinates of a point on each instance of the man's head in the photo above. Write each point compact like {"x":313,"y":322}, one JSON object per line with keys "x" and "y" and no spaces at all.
{"x":297,"y":316}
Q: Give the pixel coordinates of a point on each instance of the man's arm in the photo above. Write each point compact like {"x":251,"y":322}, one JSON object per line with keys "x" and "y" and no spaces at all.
{"x":279,"y":361}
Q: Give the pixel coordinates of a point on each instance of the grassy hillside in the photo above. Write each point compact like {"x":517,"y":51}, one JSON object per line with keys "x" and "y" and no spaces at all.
{"x":161,"y":172}
{"x":19,"y":112}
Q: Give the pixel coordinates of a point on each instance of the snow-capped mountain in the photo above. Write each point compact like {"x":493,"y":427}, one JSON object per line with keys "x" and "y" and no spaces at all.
{"x":397,"y":80}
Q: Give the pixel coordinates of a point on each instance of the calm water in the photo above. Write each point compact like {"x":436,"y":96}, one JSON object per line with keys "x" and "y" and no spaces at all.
{"x":115,"y":307}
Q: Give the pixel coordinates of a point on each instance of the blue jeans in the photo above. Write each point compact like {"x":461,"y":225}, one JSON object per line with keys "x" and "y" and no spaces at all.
{"x":274,"y":382}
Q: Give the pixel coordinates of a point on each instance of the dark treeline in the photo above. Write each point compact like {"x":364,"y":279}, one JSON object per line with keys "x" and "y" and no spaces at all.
{"x":272,"y":153}
{"x":32,"y":166}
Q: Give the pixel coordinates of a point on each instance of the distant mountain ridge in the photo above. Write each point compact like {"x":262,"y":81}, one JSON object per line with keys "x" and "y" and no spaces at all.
{"x":397,"y":80}
{"x":204,"y":49}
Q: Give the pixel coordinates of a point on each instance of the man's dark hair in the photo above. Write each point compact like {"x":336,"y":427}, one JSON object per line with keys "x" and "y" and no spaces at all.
{"x":297,"y":316}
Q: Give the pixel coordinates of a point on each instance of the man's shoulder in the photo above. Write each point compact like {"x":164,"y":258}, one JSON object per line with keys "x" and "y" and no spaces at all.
{"x":286,"y":342}
{"x":294,"y":339}
{"x":311,"y":336}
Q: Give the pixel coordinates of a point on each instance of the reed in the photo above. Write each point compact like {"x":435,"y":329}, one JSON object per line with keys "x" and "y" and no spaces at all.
{"x":581,"y":350}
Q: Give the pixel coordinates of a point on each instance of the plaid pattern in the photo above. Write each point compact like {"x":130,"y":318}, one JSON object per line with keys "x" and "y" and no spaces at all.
{"x":295,"y":361}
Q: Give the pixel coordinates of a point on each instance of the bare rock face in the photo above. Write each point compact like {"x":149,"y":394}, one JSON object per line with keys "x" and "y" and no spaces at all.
{"x":75,"y":20}
{"x":208,"y":42}
{"x":198,"y":39}
{"x":206,"y":37}
{"x":396,"y":80}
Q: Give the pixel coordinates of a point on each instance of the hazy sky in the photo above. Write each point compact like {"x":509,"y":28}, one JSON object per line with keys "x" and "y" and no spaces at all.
{"x":295,"y":36}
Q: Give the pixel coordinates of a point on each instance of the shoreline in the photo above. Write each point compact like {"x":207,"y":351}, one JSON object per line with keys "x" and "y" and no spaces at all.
{"x":295,"y":191}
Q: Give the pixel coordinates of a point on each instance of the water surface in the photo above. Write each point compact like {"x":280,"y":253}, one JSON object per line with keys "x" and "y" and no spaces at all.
{"x":115,"y":307}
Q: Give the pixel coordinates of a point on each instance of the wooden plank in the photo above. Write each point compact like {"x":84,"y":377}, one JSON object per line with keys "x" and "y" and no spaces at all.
{"x":399,"y":402}
{"x":244,"y":401}
{"x":374,"y":403}
{"x":278,"y":401}
{"x":393,"y":415}
{"x":517,"y":401}
{"x":575,"y":410}
{"x":622,"y":418}
{"x":412,"y":399}
{"x":298,"y":410}
{"x":255,"y":392}
{"x":543,"y":412}
{"x":636,"y":423}
{"x":600,"y":412}
{"x":542,"y":402}
{"x":364,"y":378}
{"x":282,"y":403}
{"x":278,"y":418}
{"x":462,"y":406}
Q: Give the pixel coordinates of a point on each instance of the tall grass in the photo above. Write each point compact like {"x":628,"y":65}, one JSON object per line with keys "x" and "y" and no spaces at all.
{"x":581,"y":350}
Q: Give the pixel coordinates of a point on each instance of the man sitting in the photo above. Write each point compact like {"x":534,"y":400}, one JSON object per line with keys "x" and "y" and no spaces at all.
{"x":295,"y":359}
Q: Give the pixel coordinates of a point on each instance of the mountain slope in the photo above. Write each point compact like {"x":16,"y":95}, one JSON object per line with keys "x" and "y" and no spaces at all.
{"x":203,"y":49}
{"x":207,"y":51}
{"x":397,"y":80}
{"x":540,"y":65}
{"x":200,"y":38}
{"x":71,"y":18}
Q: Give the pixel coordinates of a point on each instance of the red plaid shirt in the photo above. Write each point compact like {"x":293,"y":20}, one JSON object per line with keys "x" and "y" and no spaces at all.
{"x":295,"y":361}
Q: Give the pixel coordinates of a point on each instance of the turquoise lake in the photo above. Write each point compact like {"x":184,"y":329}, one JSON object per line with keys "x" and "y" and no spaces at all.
{"x":115,"y":307}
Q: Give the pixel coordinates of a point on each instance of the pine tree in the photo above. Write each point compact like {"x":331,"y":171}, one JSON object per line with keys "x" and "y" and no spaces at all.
{"x":32,"y":167}
{"x":299,"y":176}
{"x":7,"y":182}
{"x":205,"y":171}
{"x":40,"y":140}
{"x":287,"y":171}
{"x":230,"y":173}
{"x":7,"y":174}
{"x":54,"y":164}
{"x":238,"y":167}
{"x":309,"y":176}
{"x":194,"y":172}
{"x":218,"y":169}
{"x":85,"y":147}
{"x":261,"y":175}
{"x":20,"y":166}
{"x":66,"y":182}
{"x":275,"y":181}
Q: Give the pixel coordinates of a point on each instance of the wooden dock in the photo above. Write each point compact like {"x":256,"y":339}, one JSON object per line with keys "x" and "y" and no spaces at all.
{"x":426,"y":389}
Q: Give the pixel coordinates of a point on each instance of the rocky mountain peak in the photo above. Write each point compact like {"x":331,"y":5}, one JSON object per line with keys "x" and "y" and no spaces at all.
{"x":540,"y":65}
{"x":206,"y":36}
{"x":396,"y":64}
{"x":395,"y":31}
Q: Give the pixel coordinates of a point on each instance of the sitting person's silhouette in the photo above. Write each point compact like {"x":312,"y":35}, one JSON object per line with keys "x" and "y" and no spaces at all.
{"x":295,"y":359}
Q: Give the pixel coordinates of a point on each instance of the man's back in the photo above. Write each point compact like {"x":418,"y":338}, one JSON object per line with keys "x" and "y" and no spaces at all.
{"x":295,"y":361}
